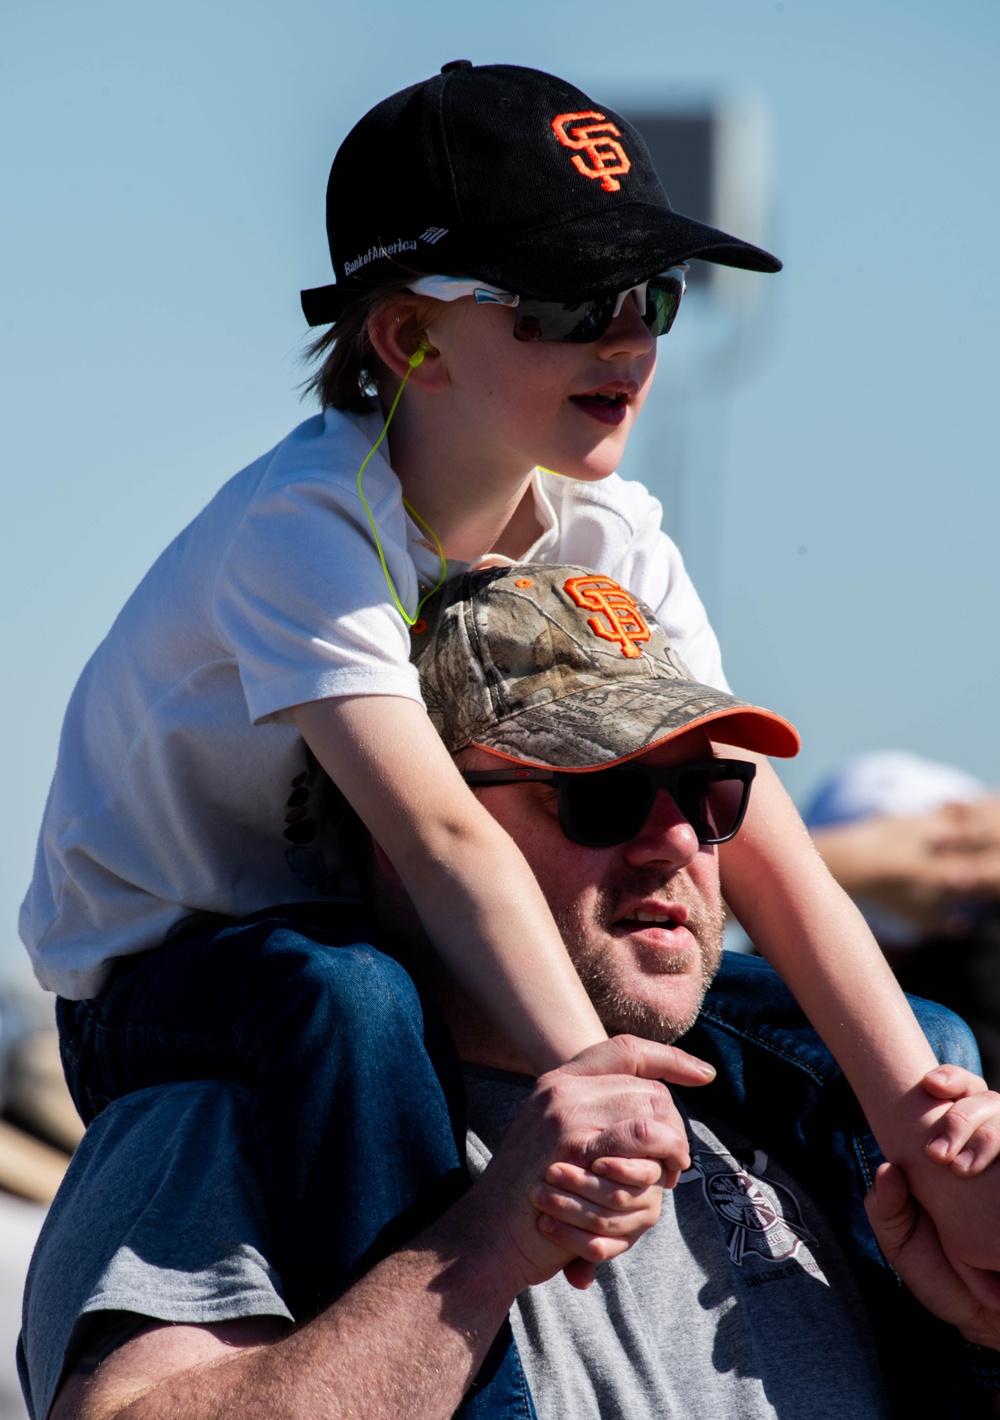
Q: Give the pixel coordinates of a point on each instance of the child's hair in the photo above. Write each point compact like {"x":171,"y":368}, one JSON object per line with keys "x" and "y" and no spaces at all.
{"x":350,"y":368}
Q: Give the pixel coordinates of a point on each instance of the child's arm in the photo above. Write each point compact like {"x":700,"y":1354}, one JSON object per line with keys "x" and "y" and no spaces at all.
{"x":475,"y":894}
{"x":814,"y":936}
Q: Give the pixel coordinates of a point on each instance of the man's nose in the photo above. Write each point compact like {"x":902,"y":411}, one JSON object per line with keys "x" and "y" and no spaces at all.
{"x":665,"y":837}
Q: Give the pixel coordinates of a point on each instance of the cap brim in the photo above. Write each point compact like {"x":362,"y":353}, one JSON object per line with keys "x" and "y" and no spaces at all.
{"x":322,"y":305}
{"x":610,"y":251}
{"x":607,"y":724}
{"x":582,"y":256}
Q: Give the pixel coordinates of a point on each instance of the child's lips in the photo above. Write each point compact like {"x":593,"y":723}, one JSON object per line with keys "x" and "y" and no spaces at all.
{"x":609,"y":406}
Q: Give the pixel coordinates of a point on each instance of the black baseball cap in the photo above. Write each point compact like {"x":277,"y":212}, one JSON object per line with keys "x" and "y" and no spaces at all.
{"x":509,"y":175}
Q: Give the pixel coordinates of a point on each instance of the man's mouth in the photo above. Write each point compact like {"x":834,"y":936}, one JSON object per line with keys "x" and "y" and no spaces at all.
{"x":659,"y":919}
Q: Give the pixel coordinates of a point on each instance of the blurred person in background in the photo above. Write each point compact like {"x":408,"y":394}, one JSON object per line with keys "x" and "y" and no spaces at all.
{"x":916,"y":843}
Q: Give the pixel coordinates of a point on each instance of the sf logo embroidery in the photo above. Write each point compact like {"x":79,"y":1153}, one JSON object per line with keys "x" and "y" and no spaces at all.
{"x":598,"y":140}
{"x":622,"y":620}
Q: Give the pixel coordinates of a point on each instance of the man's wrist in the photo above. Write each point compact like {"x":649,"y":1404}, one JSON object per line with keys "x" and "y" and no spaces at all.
{"x":481,"y":1271}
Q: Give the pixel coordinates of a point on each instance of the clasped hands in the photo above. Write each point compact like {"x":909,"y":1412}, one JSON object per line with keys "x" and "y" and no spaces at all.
{"x":612,"y":1139}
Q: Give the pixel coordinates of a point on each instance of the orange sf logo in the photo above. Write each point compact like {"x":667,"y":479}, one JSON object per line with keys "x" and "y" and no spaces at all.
{"x":597,"y":140}
{"x":623,"y":621}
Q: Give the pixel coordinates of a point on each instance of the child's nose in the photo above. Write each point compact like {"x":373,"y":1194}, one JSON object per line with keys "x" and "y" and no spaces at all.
{"x":627,"y":334}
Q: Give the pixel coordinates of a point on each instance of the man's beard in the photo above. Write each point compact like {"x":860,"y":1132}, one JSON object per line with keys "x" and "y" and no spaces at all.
{"x":622,"y":1013}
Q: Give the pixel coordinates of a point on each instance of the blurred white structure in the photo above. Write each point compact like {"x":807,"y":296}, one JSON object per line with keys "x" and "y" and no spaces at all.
{"x":714,"y":159}
{"x":20,"y":1224}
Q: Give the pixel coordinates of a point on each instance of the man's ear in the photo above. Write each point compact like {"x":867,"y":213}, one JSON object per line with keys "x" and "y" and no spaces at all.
{"x":398,"y":334}
{"x":386,"y":866}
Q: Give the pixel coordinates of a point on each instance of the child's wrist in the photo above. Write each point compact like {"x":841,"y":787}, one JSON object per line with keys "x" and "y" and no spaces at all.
{"x":911,"y":1127}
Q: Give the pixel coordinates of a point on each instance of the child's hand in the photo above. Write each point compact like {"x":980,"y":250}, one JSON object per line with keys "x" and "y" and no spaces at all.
{"x":963,"y":1201}
{"x":968,"y":1136}
{"x":599,"y":1212}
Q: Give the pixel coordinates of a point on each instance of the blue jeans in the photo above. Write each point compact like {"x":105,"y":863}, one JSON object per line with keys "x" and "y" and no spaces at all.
{"x":358,"y":1100}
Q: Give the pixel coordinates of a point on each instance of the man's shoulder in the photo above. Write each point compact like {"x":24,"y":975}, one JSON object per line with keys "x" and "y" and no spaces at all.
{"x":160,"y":1213}
{"x":750,"y":1004}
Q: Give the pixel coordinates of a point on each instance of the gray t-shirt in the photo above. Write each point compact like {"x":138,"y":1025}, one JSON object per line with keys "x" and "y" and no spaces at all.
{"x":157,"y":1216}
{"x":738,"y":1303}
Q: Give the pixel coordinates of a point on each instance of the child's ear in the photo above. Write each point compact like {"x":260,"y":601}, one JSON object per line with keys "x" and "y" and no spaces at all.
{"x":400,"y":340}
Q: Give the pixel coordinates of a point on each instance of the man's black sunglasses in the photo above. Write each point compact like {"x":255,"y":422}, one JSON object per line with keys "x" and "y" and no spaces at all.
{"x":605,"y":807}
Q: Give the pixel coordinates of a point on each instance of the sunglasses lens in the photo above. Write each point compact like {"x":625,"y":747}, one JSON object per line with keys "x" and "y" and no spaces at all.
{"x":604,"y":808}
{"x":711,"y":805}
{"x":663,"y":298}
{"x":578,"y":323}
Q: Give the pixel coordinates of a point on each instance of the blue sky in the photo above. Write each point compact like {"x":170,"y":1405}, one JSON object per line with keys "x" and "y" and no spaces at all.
{"x":161,"y":203}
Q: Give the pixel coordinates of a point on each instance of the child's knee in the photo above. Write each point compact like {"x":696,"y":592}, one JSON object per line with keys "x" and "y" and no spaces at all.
{"x":950,"y":1038}
{"x":355,"y":992}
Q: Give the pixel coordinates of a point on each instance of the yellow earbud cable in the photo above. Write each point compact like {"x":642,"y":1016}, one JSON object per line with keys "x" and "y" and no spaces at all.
{"x":415,"y":360}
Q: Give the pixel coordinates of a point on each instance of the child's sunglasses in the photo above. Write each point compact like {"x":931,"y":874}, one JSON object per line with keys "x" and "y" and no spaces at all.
{"x":578,"y":322}
{"x":604,"y":807}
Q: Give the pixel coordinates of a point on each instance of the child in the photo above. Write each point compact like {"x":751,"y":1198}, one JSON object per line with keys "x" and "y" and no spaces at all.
{"x":269,"y":645}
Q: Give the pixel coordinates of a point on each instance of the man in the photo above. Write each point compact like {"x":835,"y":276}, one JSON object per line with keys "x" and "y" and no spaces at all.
{"x":760,"y":1292}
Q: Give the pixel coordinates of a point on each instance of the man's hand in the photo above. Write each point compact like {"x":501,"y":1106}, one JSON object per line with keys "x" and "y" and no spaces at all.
{"x":911,"y":1245}
{"x":591,"y":1150}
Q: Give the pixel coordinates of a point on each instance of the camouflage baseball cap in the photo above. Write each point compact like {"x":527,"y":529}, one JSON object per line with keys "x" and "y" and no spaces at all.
{"x":561,"y":667}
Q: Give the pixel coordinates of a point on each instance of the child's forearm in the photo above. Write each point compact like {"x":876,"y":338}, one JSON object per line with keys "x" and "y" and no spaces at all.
{"x":811,"y":932}
{"x":486,"y":915}
{"x":474,"y":892}
{"x":813,"y":935}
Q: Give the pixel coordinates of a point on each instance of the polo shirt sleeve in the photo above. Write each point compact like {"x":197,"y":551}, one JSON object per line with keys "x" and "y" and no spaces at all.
{"x":303,"y":601}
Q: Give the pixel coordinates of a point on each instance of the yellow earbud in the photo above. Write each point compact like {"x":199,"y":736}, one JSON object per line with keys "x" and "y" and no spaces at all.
{"x":417,"y":358}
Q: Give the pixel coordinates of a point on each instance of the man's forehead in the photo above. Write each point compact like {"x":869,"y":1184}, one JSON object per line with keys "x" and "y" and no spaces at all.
{"x":678,"y":749}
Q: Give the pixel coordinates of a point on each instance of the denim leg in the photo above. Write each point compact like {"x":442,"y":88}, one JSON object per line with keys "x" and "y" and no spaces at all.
{"x":359,"y":1106}
{"x":500,"y":1391}
{"x":357,"y":1144}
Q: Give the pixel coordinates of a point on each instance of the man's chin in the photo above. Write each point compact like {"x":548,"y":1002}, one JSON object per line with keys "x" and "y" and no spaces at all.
{"x":669,"y":1015}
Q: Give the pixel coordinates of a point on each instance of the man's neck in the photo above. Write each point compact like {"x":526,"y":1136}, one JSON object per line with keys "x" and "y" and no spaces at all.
{"x":476,"y":1038}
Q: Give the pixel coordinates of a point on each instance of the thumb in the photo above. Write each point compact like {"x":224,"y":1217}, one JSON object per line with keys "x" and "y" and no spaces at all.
{"x":891,"y":1211}
{"x":580,"y":1274}
{"x":648,"y":1059}
{"x":952,"y":1082}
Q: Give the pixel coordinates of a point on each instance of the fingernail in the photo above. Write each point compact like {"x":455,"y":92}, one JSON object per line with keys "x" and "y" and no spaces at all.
{"x":965,"y":1159}
{"x":546,"y":1224}
{"x":938,"y":1148}
{"x":939,"y":1075}
{"x":599,"y":1166}
{"x":707,"y":1070}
